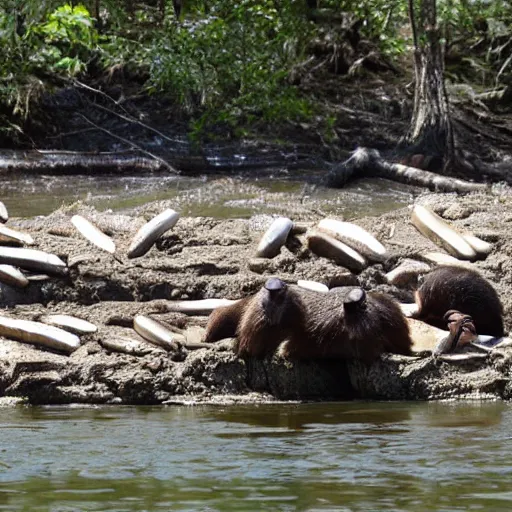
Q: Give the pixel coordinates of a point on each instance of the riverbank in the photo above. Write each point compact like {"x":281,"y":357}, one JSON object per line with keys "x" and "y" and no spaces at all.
{"x":212,"y":258}
{"x":371,"y":110}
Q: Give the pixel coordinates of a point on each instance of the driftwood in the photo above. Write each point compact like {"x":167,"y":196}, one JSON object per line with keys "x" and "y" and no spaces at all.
{"x":128,"y":161}
{"x":493,"y":97}
{"x":69,"y":162}
{"x":368,"y":162}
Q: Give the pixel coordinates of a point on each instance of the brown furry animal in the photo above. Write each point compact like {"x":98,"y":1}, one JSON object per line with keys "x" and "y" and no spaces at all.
{"x":345,"y":324}
{"x":223,"y":322}
{"x":456,"y":288}
{"x":274,"y":314}
{"x":352,"y":325}
{"x":260,"y":322}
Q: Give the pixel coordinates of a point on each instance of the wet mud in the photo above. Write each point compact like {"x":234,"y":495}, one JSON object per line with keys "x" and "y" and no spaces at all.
{"x":213,"y":258}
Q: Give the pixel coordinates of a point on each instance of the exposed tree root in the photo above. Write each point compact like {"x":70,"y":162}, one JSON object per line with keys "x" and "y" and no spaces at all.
{"x":368,"y":162}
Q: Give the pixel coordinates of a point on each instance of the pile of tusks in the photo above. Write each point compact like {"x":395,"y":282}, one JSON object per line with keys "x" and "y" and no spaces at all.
{"x":61,"y":332}
{"x":345,"y":243}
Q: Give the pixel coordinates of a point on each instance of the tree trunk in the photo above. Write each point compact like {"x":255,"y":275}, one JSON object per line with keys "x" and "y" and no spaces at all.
{"x":161,"y":10}
{"x":430,"y":137}
{"x":430,"y":131}
{"x":97,"y":23}
{"x":177,"y":5}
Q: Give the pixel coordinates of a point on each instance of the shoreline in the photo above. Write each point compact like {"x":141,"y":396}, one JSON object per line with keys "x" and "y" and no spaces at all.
{"x":212,"y":258}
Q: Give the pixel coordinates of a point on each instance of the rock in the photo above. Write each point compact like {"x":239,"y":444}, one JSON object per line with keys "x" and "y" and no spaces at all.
{"x":313,"y":285}
{"x":356,"y":237}
{"x":156,"y":333}
{"x":150,"y":232}
{"x":90,"y":232}
{"x":12,"y":237}
{"x":274,"y":238}
{"x":424,"y":336}
{"x":127,"y":345}
{"x":40,"y":334}
{"x":440,"y":258}
{"x":70,"y":323}
{"x":4,"y":216}
{"x":482,"y":248}
{"x":12,"y":276}
{"x":32,"y":259}
{"x":407,"y":273}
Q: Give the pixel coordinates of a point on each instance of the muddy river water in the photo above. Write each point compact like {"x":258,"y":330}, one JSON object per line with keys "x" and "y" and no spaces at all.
{"x":327,"y":456}
{"x":215,"y":196}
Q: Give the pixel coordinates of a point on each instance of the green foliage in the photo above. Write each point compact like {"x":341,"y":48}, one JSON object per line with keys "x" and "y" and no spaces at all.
{"x":381,"y":21}
{"x":68,"y":24}
{"x":38,"y":43}
{"x":231,"y":66}
{"x":480,"y":33}
{"x":224,"y":63}
{"x":64,"y":43}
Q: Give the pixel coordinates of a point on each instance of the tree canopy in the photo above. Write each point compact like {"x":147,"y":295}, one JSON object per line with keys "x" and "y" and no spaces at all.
{"x":234,"y":63}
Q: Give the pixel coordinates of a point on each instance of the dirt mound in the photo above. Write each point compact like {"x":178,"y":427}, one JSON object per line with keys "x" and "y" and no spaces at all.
{"x":209,"y":258}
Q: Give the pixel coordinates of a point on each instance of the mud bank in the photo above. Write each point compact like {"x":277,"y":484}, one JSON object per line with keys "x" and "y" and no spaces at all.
{"x":209,"y":258}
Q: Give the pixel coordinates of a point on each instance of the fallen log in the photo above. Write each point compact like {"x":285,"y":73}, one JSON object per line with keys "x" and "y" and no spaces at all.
{"x":57,"y":162}
{"x":366,"y":162}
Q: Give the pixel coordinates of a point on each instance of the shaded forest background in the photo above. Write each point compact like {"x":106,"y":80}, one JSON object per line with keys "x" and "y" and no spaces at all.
{"x":222,"y":70}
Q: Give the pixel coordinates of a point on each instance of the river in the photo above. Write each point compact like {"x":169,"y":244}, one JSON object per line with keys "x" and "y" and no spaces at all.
{"x":285,"y":457}
{"x":325,"y":456}
{"x":212,"y":195}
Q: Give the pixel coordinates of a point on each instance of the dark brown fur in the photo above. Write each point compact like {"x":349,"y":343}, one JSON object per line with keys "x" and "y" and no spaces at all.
{"x":464,"y":290}
{"x":337,"y":331}
{"x":223,"y":322}
{"x":260,"y":322}
{"x":313,"y":325}
{"x":268,"y":321}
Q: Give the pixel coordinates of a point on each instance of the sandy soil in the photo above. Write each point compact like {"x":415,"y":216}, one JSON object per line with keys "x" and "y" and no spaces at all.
{"x":208,"y":258}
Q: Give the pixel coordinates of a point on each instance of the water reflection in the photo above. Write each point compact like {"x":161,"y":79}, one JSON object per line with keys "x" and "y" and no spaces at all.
{"x":300,"y":417}
{"x":454,"y":414}
{"x":338,"y":456}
